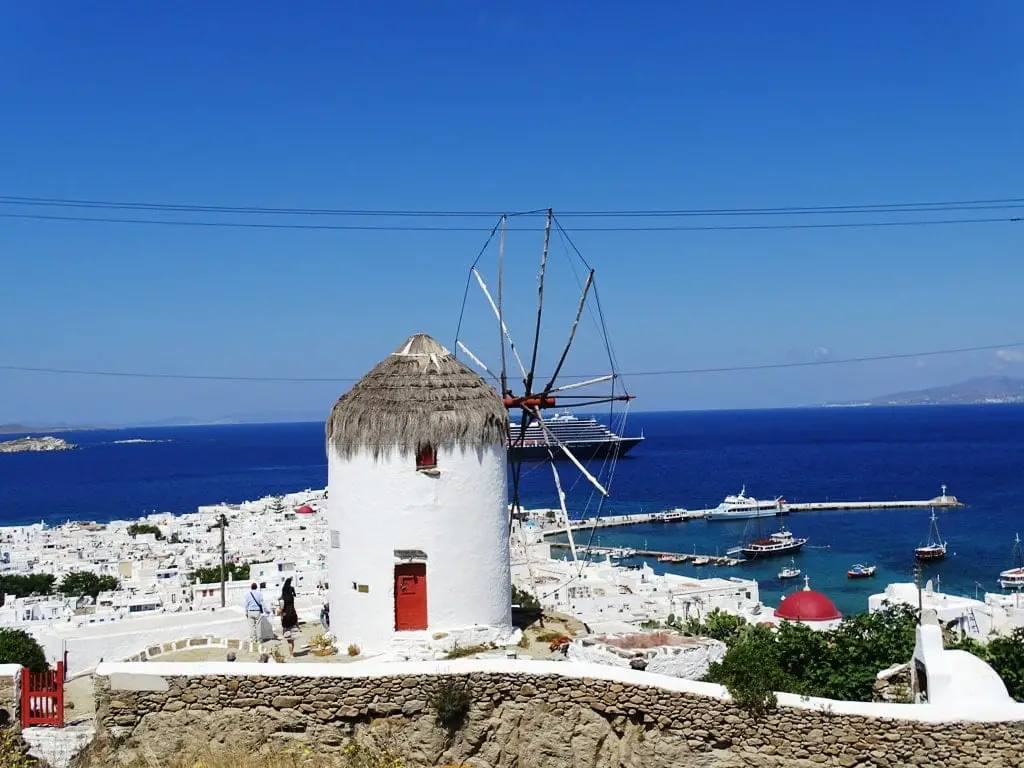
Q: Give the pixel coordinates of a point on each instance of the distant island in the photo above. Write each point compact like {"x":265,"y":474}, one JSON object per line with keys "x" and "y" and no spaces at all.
{"x":25,"y":429}
{"x":23,"y":444}
{"x":977,"y":391}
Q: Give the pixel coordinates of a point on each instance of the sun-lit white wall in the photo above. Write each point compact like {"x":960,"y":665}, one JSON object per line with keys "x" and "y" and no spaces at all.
{"x":459,"y":519}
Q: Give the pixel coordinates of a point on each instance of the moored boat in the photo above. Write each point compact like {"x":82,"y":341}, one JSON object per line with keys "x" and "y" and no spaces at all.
{"x":935,"y":549}
{"x":790,"y":571}
{"x":861,"y":571}
{"x":1013,"y":578}
{"x":779,"y":543}
{"x":743,"y":507}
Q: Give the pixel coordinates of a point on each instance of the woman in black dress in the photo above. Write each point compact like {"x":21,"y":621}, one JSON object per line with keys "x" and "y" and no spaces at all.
{"x":289,"y":618}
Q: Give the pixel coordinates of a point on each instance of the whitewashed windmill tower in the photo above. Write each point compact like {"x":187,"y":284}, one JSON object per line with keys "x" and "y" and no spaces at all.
{"x":417,"y":505}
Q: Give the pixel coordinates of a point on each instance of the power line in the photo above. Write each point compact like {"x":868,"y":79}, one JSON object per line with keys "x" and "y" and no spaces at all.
{"x":439,"y":228}
{"x":663,"y":372}
{"x":904,"y":207}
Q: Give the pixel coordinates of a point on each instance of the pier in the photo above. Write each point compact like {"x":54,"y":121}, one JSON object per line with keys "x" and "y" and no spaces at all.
{"x":615,"y":521}
{"x":679,"y":515}
{"x":944,"y":500}
{"x":671,"y":558}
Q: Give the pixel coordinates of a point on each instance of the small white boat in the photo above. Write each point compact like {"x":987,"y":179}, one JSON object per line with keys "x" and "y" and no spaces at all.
{"x":702,"y":561}
{"x":1013,"y":578}
{"x":790,"y":571}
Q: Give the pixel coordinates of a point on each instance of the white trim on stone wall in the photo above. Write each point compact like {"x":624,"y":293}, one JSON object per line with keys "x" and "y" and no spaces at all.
{"x":925,"y":713}
{"x":196,"y":641}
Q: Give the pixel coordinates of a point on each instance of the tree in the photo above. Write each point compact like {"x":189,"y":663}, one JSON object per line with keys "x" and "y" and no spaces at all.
{"x":717,"y":625}
{"x":82,"y":583}
{"x":136,"y":528}
{"x":839,"y":664}
{"x":26,"y":585}
{"x":232,"y":572}
{"x":19,"y":647}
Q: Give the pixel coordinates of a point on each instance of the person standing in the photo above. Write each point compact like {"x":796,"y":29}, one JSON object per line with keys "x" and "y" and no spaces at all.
{"x":289,"y":618}
{"x":254,"y":611}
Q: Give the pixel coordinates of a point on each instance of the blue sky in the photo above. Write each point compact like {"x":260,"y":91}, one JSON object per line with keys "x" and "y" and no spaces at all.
{"x":481,"y":106}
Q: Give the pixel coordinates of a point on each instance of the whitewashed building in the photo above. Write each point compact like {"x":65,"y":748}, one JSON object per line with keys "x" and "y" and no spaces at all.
{"x":416,"y":503}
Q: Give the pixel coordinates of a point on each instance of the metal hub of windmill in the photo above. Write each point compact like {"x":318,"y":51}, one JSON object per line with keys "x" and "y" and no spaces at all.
{"x":528,"y":394}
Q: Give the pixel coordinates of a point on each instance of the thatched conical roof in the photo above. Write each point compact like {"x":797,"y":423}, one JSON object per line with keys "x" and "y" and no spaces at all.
{"x":419,"y":394}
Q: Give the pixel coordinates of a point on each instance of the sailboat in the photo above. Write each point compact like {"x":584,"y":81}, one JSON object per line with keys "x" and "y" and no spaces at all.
{"x":935,"y":549}
{"x":790,"y":571}
{"x":1013,"y":578}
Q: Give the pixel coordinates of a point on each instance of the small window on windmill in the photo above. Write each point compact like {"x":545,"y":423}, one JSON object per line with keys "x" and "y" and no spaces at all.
{"x":426,"y":457}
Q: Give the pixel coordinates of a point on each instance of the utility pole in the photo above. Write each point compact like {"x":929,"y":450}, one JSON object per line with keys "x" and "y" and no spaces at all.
{"x":223,"y":558}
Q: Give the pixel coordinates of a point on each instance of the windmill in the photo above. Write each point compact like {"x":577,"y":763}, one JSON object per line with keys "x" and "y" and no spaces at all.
{"x":527,"y":392}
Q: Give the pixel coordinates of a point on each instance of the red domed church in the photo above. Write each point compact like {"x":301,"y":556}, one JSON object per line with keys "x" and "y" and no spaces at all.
{"x":810,"y":607}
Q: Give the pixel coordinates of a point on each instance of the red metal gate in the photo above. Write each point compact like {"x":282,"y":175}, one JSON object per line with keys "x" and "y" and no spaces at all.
{"x":42,"y":697}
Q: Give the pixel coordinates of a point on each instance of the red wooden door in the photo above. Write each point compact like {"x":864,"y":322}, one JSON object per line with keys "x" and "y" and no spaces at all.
{"x":411,"y":596}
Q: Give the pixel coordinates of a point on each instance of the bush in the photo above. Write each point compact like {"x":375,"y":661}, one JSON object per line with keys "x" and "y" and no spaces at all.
{"x":451,"y":702}
{"x":14,"y":751}
{"x":136,"y":528}
{"x":353,"y":649}
{"x":460,"y":652}
{"x":232,"y":572}
{"x":19,"y":647}
{"x":524,"y":599}
{"x":716,"y":625}
{"x":840,"y":664}
{"x":548,"y":635}
{"x":751,"y":670}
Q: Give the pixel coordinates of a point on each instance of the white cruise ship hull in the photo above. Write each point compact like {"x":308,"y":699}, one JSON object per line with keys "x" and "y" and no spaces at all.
{"x":741,"y":514}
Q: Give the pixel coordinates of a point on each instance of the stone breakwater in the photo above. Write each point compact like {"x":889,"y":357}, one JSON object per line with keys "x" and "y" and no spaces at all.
{"x":515,"y":719}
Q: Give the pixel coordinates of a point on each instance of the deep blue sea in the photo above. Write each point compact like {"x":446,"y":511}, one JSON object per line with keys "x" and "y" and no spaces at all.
{"x":690,"y":459}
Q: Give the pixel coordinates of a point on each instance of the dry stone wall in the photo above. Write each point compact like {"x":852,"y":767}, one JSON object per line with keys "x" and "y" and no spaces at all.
{"x":9,"y":693}
{"x":519,"y":721}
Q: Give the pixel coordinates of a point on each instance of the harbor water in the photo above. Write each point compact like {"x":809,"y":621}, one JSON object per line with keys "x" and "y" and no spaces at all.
{"x":689,"y":459}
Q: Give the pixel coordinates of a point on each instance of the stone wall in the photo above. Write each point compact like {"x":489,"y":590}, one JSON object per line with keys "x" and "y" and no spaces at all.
{"x":526,"y":720}
{"x":8,"y":697}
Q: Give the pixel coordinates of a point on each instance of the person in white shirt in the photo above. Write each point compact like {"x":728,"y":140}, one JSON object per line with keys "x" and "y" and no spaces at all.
{"x":254,"y":611}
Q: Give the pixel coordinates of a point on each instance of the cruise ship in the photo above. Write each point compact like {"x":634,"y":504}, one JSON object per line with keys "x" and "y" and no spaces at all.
{"x":743,"y":507}
{"x":587,"y":438}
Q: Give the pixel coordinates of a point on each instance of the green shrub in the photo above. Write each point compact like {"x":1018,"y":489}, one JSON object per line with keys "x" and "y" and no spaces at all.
{"x":82,"y":583}
{"x":751,"y":670}
{"x":19,"y":647}
{"x":14,"y":751}
{"x":136,"y":528}
{"x":524,"y":599}
{"x":451,"y":703}
{"x":460,"y":652}
{"x":25,"y":585}
{"x":232,"y":572}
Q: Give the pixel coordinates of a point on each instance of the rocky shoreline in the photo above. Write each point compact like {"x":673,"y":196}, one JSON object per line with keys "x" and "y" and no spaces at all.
{"x":26,"y":444}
